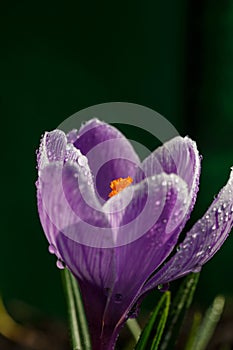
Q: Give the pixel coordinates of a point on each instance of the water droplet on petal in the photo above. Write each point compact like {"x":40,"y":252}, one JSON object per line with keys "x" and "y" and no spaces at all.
{"x":200,"y":253}
{"x":164,"y":183}
{"x":72,"y":136}
{"x":52,"y":249}
{"x":196,"y":268}
{"x":60,"y":264}
{"x":213,"y":227}
{"x":82,"y":160}
{"x":163,"y":287}
{"x":194,"y":235}
{"x":157,"y":203}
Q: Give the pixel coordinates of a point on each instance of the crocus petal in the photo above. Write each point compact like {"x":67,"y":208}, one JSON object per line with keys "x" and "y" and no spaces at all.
{"x":63,"y":174}
{"x":152,"y":221}
{"x":95,"y":271}
{"x":178,"y":156}
{"x":91,"y":263}
{"x":52,"y":148}
{"x":109,"y":153}
{"x":202,"y":241}
{"x":68,"y":198}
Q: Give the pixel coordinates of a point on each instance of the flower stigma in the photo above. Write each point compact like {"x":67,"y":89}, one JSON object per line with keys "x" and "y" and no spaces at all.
{"x":119,"y":184}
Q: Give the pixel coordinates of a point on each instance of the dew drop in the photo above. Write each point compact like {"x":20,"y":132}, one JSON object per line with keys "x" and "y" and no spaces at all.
{"x":157,"y":203}
{"x":82,"y":160}
{"x":200,"y":253}
{"x":164,"y":183}
{"x":60,"y":264}
{"x":177,"y":212}
{"x":118,"y":298}
{"x":213,"y":227}
{"x":72,"y":136}
{"x":194,"y":235}
{"x":196,"y":268}
{"x":163,"y":287}
{"x":52,"y":249}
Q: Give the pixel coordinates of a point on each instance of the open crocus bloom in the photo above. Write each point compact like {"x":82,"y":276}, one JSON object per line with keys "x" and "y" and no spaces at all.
{"x":113,"y":221}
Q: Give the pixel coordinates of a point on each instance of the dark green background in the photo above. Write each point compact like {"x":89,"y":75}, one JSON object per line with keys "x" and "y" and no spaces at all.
{"x":59,"y":57}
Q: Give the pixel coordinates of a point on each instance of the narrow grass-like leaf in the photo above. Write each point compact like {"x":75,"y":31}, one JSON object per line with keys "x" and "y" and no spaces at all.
{"x":151,"y":334}
{"x":179,"y":306}
{"x":195,"y":326}
{"x":82,"y":322}
{"x":161,"y":326}
{"x":208,"y":325}
{"x":134,"y":328}
{"x":73,"y":321}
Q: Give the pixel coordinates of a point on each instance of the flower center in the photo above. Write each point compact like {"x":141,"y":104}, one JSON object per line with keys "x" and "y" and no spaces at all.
{"x":119,"y":184}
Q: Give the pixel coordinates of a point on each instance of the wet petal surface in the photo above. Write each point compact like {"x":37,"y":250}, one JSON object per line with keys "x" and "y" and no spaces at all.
{"x":202,"y":241}
{"x":178,"y":156}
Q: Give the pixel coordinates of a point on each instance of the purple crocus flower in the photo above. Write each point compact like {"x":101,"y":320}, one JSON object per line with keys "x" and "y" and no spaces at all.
{"x":116,"y":245}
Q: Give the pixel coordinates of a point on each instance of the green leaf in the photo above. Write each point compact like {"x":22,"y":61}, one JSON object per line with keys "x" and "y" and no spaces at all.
{"x":77,"y":319}
{"x":152,"y":333}
{"x":195,"y":325}
{"x":208,"y":325}
{"x":74,"y":329}
{"x":134,"y":328}
{"x":179,"y":307}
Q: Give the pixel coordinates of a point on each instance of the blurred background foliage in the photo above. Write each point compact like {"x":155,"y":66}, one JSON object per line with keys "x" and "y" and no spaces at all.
{"x":175,"y":57}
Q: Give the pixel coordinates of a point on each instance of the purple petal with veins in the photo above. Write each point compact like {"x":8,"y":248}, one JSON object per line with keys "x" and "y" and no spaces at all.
{"x":117,"y":247}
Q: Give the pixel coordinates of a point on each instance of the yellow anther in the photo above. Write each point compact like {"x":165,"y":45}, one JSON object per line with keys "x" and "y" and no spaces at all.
{"x":119,"y":184}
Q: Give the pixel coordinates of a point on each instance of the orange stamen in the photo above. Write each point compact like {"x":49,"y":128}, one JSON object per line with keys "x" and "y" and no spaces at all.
{"x":119,"y":184}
